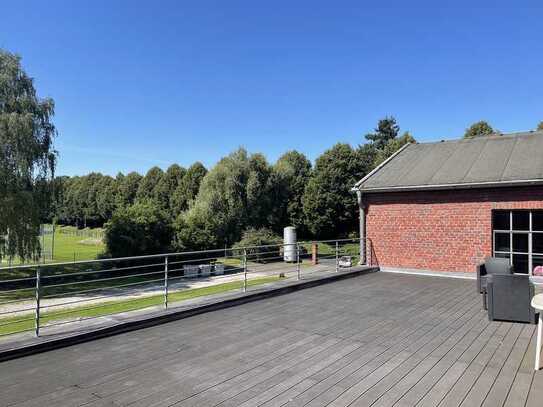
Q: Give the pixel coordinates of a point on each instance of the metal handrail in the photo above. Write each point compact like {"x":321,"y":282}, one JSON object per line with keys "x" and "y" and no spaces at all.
{"x":266,"y":260}
{"x":162,"y":255}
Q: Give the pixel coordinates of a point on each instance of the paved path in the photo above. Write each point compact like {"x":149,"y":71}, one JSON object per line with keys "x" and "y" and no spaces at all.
{"x":379,"y":339}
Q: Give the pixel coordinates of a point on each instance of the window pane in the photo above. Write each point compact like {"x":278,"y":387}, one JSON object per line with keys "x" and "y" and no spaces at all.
{"x":537,"y":243}
{"x":521,"y":220}
{"x":502,"y":242}
{"x":501,"y":220}
{"x":520,"y":263}
{"x":520,"y":242}
{"x":537,"y":220}
{"x":503,"y":256}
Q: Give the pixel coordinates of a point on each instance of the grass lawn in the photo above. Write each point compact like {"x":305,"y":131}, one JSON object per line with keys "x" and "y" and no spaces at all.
{"x":115,"y":307}
{"x":69,"y":246}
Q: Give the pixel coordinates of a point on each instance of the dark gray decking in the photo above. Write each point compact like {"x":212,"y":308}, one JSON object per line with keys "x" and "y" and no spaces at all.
{"x":378,"y":339}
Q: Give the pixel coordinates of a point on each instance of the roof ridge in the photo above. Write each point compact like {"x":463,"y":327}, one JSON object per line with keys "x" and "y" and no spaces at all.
{"x":492,"y":136}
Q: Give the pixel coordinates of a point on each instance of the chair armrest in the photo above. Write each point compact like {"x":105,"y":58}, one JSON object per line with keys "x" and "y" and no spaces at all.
{"x":490,"y":298}
{"x":509,"y":297}
{"x":481,"y":274}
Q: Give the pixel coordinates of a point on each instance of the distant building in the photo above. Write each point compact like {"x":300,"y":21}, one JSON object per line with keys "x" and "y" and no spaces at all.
{"x":446,"y":206}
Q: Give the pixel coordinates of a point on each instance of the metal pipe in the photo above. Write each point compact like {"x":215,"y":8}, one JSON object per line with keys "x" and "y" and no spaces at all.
{"x":337,"y":257}
{"x":244,"y":270}
{"x":298,"y":272}
{"x":37,"y":312}
{"x":362,"y":222}
{"x":82,"y":273}
{"x":103,"y":279}
{"x":166,"y":282}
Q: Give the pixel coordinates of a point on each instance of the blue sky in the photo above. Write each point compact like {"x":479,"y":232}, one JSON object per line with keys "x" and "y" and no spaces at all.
{"x":157,"y":82}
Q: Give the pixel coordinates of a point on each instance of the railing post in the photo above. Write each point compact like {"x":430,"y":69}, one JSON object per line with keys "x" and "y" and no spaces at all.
{"x":298,"y":260}
{"x":166,"y":282}
{"x":244,"y":270}
{"x":371,"y":252}
{"x":37,"y":312}
{"x":337,"y":256}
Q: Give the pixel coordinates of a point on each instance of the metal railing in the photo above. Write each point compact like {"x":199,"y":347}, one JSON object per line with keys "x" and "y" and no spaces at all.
{"x":34,"y":297}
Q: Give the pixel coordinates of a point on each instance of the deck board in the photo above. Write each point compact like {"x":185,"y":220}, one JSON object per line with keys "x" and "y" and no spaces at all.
{"x":375,"y":340}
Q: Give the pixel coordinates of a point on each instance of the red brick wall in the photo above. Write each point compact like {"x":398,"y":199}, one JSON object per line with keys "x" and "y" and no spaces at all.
{"x":439,"y":230}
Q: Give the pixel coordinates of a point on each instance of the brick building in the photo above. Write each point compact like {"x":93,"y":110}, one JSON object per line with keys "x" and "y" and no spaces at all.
{"x":446,"y":206}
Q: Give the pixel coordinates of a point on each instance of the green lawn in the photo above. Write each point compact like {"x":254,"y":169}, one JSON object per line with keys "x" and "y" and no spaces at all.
{"x":115,"y":307}
{"x":70,"y":245}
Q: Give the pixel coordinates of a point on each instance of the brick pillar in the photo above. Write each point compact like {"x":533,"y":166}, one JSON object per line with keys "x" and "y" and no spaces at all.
{"x":315,"y":253}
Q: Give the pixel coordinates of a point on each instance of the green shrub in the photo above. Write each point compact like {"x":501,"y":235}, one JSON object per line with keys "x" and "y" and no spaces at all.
{"x":137,"y":230}
{"x":260,"y":237}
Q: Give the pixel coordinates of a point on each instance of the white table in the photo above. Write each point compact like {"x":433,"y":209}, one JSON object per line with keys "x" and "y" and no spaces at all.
{"x":537,"y":304}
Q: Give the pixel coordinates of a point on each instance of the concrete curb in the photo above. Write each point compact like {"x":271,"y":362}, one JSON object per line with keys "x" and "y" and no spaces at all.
{"x":169,"y":316}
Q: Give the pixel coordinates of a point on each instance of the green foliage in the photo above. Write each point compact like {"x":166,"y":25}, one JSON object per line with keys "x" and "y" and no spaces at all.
{"x":187,"y":189}
{"x":234,"y":194}
{"x":387,"y":129}
{"x":329,"y":205}
{"x":91,"y":199}
{"x":479,"y":129}
{"x":540,"y":126}
{"x":127,"y":188}
{"x":167,"y":185}
{"x":148,"y":185}
{"x":27,"y":158}
{"x":140,"y":229}
{"x":85,"y":201}
{"x":291,"y":173}
{"x":259,"y":237}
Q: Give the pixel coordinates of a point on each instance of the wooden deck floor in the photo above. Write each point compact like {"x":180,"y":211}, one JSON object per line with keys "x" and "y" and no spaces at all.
{"x":375,"y":340}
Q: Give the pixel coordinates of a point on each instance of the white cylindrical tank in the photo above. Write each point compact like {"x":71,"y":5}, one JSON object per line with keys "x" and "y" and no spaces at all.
{"x":289,"y":240}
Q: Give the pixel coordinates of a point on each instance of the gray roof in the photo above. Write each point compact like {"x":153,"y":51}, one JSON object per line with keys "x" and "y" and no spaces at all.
{"x":499,"y":160}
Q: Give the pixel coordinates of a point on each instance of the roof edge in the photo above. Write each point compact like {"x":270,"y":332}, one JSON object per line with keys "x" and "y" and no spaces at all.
{"x":466,"y":185}
{"x":369,"y":174}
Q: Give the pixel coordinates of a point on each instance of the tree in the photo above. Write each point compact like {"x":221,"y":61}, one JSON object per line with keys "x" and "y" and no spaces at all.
{"x":258,"y":205}
{"x":188,"y":188}
{"x":329,"y":205}
{"x":291,"y":173}
{"x":233,"y":195}
{"x":167,"y":185}
{"x":106,"y":198}
{"x":89,"y":198}
{"x":387,"y":129}
{"x":479,"y":129}
{"x":148,"y":184}
{"x":56,"y":210}
{"x":27,"y":158}
{"x":137,"y":230}
{"x":384,"y":142}
{"x":259,"y":237}
{"x":540,"y":126}
{"x":127,"y":188}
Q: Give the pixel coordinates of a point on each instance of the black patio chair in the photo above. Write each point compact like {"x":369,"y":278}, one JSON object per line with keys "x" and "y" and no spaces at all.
{"x":491,"y":266}
{"x":509,"y":297}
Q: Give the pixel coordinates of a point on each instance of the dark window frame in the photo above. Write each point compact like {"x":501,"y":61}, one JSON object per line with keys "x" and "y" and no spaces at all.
{"x":530,"y":232}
